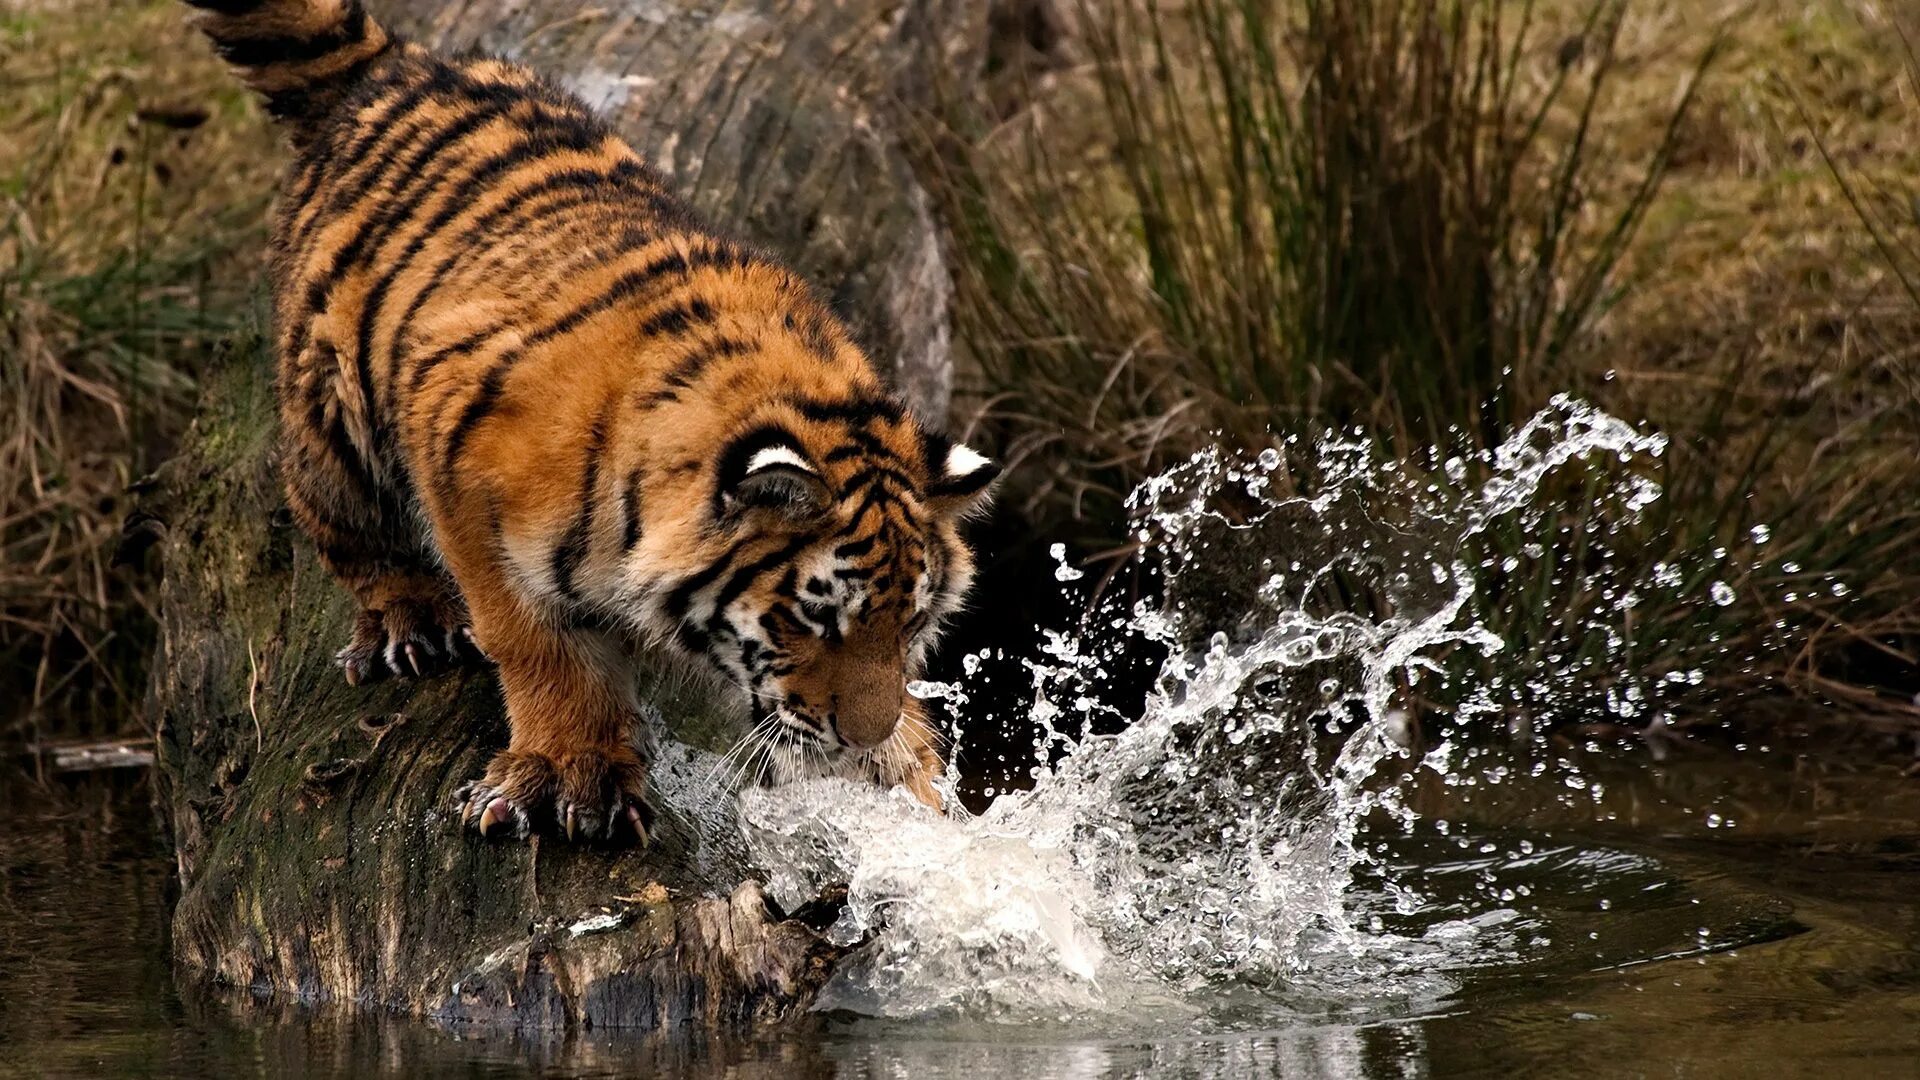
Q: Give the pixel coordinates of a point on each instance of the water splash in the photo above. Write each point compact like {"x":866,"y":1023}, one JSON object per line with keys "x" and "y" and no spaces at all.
{"x":1217,"y":838}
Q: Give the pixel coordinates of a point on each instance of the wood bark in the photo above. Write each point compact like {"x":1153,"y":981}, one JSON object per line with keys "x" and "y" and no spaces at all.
{"x":317,"y":854}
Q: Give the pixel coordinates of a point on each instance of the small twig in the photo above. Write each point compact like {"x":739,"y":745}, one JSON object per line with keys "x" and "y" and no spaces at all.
{"x":253,"y":697}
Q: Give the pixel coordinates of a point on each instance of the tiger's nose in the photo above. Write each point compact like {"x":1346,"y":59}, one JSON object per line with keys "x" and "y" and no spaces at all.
{"x":865,"y":716}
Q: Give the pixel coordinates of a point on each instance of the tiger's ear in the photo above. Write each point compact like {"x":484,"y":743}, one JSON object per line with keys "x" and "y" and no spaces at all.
{"x":960,"y":477}
{"x":769,"y":472}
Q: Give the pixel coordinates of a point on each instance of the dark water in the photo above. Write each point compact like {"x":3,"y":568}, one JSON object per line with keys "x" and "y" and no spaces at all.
{"x":1785,"y":945}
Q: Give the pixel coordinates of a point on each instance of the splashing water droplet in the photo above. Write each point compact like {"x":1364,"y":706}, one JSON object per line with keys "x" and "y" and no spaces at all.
{"x":1062,"y":570}
{"x":1219,"y":834}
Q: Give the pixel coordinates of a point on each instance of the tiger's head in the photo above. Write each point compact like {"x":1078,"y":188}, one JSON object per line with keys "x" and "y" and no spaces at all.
{"x":832,"y":555}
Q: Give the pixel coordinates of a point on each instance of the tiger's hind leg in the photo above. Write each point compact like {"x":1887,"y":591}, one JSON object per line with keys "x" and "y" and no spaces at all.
{"x":413,"y":621}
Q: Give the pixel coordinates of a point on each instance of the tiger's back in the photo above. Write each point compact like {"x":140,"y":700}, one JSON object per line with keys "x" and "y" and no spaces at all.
{"x":525,"y":391}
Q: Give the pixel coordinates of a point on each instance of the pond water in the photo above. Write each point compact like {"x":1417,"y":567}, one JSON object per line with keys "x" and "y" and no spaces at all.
{"x":1254,"y":866}
{"x":1810,"y":964}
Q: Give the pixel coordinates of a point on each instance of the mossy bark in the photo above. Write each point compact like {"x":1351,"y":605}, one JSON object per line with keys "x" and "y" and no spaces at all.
{"x":317,"y":853}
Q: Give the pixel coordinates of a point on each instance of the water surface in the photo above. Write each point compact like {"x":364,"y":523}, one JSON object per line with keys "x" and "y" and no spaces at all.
{"x":1811,"y":963}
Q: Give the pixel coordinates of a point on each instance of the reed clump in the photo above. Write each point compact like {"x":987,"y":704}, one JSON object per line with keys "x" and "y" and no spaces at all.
{"x":133,"y":177}
{"x":1234,"y":220}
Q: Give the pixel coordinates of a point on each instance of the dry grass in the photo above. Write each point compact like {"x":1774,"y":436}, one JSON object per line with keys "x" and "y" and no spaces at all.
{"x":1134,"y":280}
{"x":1424,"y":228}
{"x":133,"y":176}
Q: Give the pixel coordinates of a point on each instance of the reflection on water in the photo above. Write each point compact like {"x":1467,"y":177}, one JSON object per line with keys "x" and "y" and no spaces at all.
{"x":1810,"y":963}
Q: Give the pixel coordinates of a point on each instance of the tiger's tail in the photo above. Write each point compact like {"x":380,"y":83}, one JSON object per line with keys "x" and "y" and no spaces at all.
{"x":302,"y":56}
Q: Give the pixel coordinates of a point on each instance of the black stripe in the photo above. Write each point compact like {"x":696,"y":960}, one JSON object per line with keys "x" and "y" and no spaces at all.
{"x":346,"y":195}
{"x":681,"y":598}
{"x":631,"y":538}
{"x":630,"y":284}
{"x":583,"y":184}
{"x":749,"y":652}
{"x":294,"y":49}
{"x":675,"y":320}
{"x":690,"y":367}
{"x":853,"y":549}
{"x":227,"y":7}
{"x":877,"y":496}
{"x":478,"y":408}
{"x":464,"y":346}
{"x":621,"y":288}
{"x":874,"y":473}
{"x":691,"y":638}
{"x":347,"y":457}
{"x":572,"y":549}
{"x":858,"y":410}
{"x":772,"y":618}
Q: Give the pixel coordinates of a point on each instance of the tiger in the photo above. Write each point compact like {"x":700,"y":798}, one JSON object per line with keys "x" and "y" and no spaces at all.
{"x":535,"y":413}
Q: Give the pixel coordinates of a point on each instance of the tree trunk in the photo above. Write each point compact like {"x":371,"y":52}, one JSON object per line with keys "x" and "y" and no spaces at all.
{"x":317,"y":853}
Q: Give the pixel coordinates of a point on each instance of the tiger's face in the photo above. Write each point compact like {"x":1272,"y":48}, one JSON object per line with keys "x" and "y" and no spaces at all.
{"x":838,"y":556}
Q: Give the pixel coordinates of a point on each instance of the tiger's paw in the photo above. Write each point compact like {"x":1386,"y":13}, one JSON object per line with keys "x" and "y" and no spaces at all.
{"x":408,"y":639}
{"x":588,"y":795}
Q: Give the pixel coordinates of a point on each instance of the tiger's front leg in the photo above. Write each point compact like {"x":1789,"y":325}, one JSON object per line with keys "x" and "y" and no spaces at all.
{"x":572,"y":762}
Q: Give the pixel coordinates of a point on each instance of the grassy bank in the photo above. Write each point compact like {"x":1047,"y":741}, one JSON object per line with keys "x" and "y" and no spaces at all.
{"x":1234,"y":221}
{"x":1172,"y":220}
{"x":133,"y":180}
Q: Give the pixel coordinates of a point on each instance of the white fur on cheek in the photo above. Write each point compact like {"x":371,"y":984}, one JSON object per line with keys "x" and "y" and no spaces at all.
{"x":964,"y":461}
{"x":777,"y":455}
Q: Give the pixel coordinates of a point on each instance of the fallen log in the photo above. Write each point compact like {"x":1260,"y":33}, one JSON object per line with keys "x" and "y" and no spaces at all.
{"x":316,"y":852}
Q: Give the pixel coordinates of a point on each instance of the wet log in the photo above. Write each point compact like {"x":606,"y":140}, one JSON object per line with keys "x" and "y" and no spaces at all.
{"x":318,"y":859}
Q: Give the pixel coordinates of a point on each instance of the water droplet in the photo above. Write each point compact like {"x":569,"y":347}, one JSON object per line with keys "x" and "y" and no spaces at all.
{"x":1062,"y":570}
{"x":1723,"y":594}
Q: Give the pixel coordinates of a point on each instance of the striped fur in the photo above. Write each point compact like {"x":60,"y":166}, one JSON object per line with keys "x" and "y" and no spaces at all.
{"x":532,"y":408}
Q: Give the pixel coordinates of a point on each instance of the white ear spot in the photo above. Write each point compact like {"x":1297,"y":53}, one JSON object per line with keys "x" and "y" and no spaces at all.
{"x":964,"y":461}
{"x":777,"y":455}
